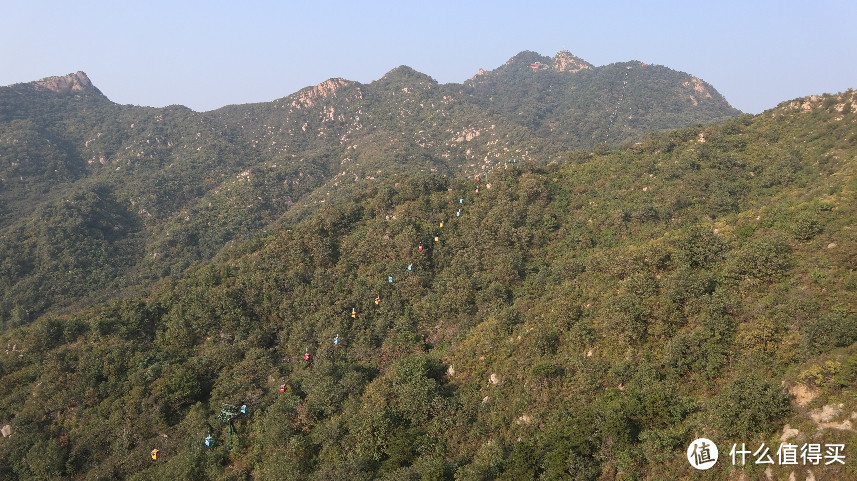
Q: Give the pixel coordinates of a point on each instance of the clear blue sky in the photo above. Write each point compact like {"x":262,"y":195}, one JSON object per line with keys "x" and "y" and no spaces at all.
{"x":207,"y":54}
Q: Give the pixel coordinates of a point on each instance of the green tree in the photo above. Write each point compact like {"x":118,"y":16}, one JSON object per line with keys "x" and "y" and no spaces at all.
{"x":748,"y":406}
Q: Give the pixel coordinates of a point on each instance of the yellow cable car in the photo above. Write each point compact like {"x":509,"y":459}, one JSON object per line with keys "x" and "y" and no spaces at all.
{"x":354,"y":313}
{"x":155,"y":454}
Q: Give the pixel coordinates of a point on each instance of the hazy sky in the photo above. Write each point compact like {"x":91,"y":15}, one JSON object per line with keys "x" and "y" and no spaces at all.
{"x":207,"y":54}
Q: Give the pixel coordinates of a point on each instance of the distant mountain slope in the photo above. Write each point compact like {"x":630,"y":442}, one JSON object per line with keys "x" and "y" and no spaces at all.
{"x":518,"y":111}
{"x":177,"y":185}
{"x":565,"y":99}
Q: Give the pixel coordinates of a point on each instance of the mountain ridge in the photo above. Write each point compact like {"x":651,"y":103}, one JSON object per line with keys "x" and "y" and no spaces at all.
{"x":583,"y":319}
{"x":172,"y":178}
{"x":562,"y":61}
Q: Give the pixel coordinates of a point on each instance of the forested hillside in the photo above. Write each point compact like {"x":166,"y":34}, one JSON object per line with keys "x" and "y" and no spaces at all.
{"x":564,"y":99}
{"x":98,"y":198}
{"x":584,"y":318}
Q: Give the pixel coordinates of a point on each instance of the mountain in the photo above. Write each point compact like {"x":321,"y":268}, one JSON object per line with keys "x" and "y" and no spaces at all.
{"x":97,"y":197}
{"x":517,"y":110}
{"x":567,"y":100}
{"x":584,"y":319}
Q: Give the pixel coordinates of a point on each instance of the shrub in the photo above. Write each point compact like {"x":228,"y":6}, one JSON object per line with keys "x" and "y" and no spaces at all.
{"x":831,"y":330}
{"x":749,"y":405}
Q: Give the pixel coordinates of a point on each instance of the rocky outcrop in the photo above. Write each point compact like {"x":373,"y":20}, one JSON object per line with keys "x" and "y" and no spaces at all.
{"x":697,"y":90}
{"x":564,"y":61}
{"x":843,"y":102}
{"x":308,"y":96}
{"x":73,"y":82}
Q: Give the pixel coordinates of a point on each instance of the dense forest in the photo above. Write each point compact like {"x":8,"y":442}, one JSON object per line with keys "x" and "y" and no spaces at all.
{"x":583,"y":317}
{"x":98,"y":198}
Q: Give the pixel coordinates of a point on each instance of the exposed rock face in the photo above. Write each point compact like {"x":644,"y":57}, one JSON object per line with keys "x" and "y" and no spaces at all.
{"x":699,"y":90}
{"x":814,"y":102}
{"x":788,"y":433}
{"x":73,"y":82}
{"x":564,"y":61}
{"x":824,"y":414}
{"x":308,"y":96}
{"x":802,"y":394}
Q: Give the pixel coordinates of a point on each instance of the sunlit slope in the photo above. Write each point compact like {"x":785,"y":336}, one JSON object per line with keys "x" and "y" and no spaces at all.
{"x":583,"y":319}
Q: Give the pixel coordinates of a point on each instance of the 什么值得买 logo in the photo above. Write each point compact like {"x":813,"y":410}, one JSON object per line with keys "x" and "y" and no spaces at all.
{"x":702,"y":453}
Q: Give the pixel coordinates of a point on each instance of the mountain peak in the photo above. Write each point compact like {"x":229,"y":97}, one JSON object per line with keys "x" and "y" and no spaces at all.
{"x":73,"y":82}
{"x":403,"y":72}
{"x":528,"y":57}
{"x":564,"y":61}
